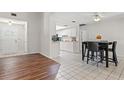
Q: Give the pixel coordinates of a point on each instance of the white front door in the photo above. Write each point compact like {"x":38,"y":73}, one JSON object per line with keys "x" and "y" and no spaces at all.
{"x":12,"y":38}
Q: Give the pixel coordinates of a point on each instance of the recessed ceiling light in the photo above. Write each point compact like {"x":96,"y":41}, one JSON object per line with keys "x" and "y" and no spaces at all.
{"x":65,"y":25}
{"x":82,"y":24}
{"x":73,"y":21}
{"x":9,"y":23}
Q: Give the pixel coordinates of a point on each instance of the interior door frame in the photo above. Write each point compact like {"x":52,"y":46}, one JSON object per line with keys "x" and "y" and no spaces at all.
{"x":16,"y":21}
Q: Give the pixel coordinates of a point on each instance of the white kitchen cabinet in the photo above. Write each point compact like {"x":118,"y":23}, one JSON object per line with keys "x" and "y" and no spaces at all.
{"x":69,"y":46}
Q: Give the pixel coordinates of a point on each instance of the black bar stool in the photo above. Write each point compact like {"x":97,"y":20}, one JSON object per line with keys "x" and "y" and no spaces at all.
{"x":93,"y":47}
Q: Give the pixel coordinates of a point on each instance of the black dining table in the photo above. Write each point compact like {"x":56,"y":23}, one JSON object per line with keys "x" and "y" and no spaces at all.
{"x":103,"y":44}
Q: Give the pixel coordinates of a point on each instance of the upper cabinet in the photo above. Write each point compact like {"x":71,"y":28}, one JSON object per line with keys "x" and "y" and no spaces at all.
{"x":69,"y":32}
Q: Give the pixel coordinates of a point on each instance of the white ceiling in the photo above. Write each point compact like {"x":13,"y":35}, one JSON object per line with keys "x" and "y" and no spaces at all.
{"x":66,"y":18}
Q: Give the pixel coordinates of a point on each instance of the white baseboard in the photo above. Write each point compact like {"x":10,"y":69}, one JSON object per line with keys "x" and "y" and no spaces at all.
{"x":45,"y":55}
{"x":18,"y":54}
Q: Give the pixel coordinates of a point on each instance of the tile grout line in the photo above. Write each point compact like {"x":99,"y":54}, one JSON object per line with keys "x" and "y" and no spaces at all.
{"x":121,"y":73}
{"x":109,"y":74}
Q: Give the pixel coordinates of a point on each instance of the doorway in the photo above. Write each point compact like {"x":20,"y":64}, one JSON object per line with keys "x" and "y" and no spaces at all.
{"x":69,"y":42}
{"x":13,"y":37}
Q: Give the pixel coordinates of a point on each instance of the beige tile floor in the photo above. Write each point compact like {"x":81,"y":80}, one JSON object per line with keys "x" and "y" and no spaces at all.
{"x":73,"y":68}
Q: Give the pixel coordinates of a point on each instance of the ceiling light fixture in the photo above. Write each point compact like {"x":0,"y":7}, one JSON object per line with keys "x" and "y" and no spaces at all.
{"x":97,"y":18}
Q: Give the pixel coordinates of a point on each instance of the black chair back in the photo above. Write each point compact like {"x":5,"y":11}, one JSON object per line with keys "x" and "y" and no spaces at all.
{"x":93,"y":46}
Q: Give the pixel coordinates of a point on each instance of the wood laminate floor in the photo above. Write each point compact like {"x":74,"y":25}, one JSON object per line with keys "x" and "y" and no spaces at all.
{"x":28,"y":67}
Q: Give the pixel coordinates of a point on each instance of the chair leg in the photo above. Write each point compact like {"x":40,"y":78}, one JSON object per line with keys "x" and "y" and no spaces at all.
{"x":97,"y":58}
{"x":85,"y":51}
{"x":102,"y":56}
{"x":87,"y":56}
{"x":92,"y":55}
{"x":115,"y":58}
{"x":97,"y":64}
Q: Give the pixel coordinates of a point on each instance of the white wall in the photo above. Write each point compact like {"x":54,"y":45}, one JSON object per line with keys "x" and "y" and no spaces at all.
{"x":83,"y":35}
{"x":54,"y":46}
{"x":34,"y":28}
{"x":48,"y":25}
{"x":111,"y":29}
{"x":45,"y":39}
